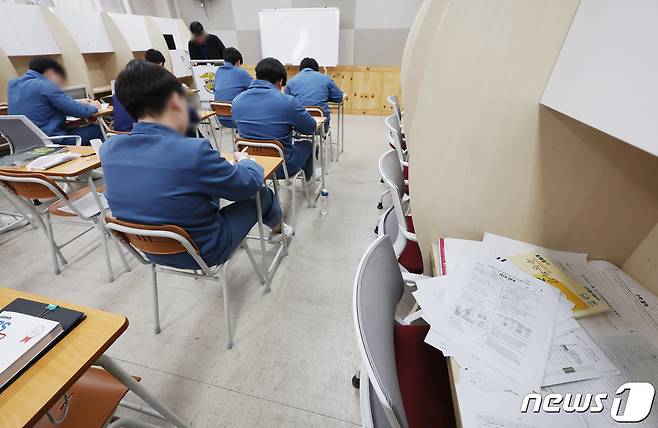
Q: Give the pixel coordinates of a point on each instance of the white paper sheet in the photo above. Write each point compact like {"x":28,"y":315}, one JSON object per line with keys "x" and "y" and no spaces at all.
{"x":512,"y":247}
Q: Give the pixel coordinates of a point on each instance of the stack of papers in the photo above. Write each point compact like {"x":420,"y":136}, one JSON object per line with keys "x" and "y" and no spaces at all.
{"x":505,"y":326}
{"x":49,"y":161}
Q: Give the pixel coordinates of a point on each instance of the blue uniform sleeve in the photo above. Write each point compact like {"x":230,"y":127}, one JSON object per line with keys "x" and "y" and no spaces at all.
{"x":246,"y":79}
{"x":335,"y":94}
{"x":67,"y":105}
{"x":300,"y":118}
{"x":218,"y":178}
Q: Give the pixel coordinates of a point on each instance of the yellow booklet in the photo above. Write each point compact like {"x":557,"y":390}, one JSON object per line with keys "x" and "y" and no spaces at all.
{"x":586,"y":303}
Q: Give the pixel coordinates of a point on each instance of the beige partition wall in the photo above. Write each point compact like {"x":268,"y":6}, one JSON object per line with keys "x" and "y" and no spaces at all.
{"x":417,"y":52}
{"x":122,"y":51}
{"x":7,"y":72}
{"x":485,"y":156}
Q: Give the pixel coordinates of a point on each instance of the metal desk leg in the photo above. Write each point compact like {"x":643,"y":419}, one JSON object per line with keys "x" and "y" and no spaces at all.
{"x":342,"y":126}
{"x":261,"y":234}
{"x":122,"y":376}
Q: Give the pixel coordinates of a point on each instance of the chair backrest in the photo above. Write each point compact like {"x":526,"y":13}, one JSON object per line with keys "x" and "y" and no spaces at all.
{"x":77,"y":92}
{"x":32,"y":185}
{"x":378,"y":287}
{"x":391,"y":172}
{"x":4,"y":110}
{"x":21,"y":133}
{"x":395,"y":135}
{"x":272,"y":148}
{"x":315,"y":111}
{"x":393,"y":100}
{"x":162,"y":239}
{"x":222,"y":108}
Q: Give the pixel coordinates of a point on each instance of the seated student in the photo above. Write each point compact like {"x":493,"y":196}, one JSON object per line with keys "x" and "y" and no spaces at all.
{"x":230,"y":81}
{"x":124,"y":122}
{"x":155,"y":175}
{"x":312,"y":88}
{"x":263,"y":112}
{"x":38,"y":94}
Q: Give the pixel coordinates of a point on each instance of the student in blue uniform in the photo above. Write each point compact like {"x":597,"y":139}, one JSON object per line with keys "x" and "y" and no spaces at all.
{"x":263,"y":112}
{"x":38,"y":94}
{"x":313,"y":88}
{"x":230,"y":80}
{"x":124,"y":122}
{"x":155,"y":175}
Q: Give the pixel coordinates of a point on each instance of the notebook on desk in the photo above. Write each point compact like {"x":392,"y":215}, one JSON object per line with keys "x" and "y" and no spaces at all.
{"x":24,"y":157}
{"x":28,"y":329}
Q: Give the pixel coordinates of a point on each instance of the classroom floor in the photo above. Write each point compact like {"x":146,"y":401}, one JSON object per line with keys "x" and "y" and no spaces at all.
{"x":295,"y":349}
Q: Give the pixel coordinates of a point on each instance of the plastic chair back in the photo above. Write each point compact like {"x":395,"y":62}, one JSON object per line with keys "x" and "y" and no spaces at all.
{"x":222,"y":108}
{"x":378,"y":288}
{"x":21,"y":133}
{"x":151,"y":239}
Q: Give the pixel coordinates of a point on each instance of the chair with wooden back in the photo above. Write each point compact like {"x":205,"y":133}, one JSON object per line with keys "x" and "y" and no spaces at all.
{"x":224,"y":110}
{"x":143,"y":239}
{"x":318,"y":112}
{"x":23,"y":187}
{"x":274,"y":148}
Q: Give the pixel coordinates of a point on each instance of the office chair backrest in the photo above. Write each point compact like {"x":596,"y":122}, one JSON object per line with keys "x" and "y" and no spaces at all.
{"x":77,"y":92}
{"x":393,"y":100}
{"x":378,"y":288}
{"x":21,"y":133}
{"x":222,"y":108}
{"x":391,"y":172}
{"x":395,"y":133}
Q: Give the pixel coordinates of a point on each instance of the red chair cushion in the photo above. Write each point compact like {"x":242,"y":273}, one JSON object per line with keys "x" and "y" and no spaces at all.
{"x":410,"y":223}
{"x":411,"y":258}
{"x":406,"y":189}
{"x":423,"y":378}
{"x":405,"y":172}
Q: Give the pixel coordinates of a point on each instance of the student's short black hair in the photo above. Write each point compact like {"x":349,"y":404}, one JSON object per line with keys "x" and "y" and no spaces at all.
{"x":232,"y":55}
{"x":196,"y":28}
{"x":144,"y":88}
{"x":41,"y":64}
{"x":272,"y":70}
{"x":154,"y":56}
{"x":309,"y":63}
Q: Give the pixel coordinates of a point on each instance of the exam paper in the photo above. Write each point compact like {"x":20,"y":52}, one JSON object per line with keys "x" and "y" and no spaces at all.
{"x":500,"y":320}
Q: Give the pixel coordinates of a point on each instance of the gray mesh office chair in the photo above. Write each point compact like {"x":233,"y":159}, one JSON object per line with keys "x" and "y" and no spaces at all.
{"x":22,"y":134}
{"x":378,"y":288}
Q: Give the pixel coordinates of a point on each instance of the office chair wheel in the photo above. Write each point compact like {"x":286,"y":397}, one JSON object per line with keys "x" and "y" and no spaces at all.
{"x":376,"y":230}
{"x":381,"y":180}
{"x":356,"y":382}
{"x":380,"y":206}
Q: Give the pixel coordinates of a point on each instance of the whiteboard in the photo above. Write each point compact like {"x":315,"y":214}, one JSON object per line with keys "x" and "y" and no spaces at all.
{"x":133,"y":29}
{"x":87,"y":28}
{"x":292,"y":34}
{"x":607,"y":73}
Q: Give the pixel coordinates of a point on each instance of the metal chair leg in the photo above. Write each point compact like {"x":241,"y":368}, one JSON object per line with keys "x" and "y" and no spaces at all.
{"x":227,"y":314}
{"x":156,"y":308}
{"x":106,"y":249}
{"x":254,"y":263}
{"x":121,"y":255}
{"x":48,"y":229}
{"x":307,"y":190}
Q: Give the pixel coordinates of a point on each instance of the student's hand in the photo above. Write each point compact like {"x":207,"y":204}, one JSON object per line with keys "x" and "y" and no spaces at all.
{"x":240,"y":156}
{"x":95,"y":104}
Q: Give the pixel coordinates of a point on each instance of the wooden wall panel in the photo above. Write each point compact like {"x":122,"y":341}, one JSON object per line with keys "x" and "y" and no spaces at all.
{"x":485,"y":156}
{"x":366,"y":88}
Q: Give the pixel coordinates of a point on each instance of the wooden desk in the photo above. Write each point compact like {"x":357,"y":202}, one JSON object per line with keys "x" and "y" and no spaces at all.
{"x":206,"y":114}
{"x":269,"y":163}
{"x":72,"y":168}
{"x":35,"y":391}
{"x":4,"y":110}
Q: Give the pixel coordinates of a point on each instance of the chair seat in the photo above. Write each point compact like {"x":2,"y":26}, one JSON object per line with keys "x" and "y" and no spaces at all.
{"x":405,"y":172}
{"x":410,"y":224}
{"x":423,"y":378}
{"x":82,"y":199}
{"x":93,"y":400}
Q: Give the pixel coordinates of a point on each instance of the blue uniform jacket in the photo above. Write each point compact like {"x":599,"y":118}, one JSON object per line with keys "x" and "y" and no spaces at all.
{"x":230,"y":81}
{"x":44,"y":103}
{"x":314,"y":89}
{"x":156,"y":176}
{"x":263,"y":112}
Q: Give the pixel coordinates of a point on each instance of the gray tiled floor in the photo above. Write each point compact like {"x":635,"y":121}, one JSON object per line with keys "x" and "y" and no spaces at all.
{"x":295,"y":350}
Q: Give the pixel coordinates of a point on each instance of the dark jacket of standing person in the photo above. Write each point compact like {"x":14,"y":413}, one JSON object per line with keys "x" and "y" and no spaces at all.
{"x":204,"y":45}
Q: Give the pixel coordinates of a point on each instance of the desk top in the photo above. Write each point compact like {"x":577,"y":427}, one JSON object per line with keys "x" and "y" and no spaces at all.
{"x":269,"y":163}
{"x":72,"y":168}
{"x":206,"y":114}
{"x":36,"y":390}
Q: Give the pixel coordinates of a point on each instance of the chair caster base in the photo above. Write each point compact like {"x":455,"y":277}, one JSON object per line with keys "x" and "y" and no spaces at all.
{"x":380,"y":206}
{"x":356,"y":382}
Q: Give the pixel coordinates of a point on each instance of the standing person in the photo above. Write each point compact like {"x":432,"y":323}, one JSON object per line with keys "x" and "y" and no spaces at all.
{"x":230,"y":81}
{"x":39,"y":95}
{"x":204,"y":45}
{"x":123,"y":121}
{"x":313,"y":88}
{"x":263,"y":112}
